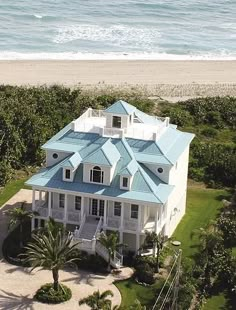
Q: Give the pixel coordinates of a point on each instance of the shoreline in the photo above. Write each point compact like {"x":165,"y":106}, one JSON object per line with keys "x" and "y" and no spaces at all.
{"x":157,"y":77}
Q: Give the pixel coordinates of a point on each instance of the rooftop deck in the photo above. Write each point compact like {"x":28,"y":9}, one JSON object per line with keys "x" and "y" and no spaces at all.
{"x":94,"y":121}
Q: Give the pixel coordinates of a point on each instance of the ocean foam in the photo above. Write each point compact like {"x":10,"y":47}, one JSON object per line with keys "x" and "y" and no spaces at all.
{"x":111,"y":56}
{"x":38,"y":16}
{"x":116,"y":35}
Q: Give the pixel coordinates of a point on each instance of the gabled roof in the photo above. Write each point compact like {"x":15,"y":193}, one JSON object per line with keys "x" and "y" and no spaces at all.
{"x":107,"y":155}
{"x":121,"y":107}
{"x":75,"y":160}
{"x":130,"y":169}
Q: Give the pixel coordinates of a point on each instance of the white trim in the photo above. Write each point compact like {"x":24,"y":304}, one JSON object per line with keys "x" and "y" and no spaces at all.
{"x":98,"y":196}
{"x":71,"y":174}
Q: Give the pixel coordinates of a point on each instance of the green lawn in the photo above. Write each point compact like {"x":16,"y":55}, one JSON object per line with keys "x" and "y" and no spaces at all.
{"x":216,"y":302}
{"x":202,"y":206}
{"x":130,"y":291}
{"x":11,"y":189}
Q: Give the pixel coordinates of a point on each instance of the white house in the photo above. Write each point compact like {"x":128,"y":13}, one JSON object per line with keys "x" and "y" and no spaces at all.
{"x":117,"y":169}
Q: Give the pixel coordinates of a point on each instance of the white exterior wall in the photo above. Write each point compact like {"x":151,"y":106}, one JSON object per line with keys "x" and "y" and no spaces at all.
{"x":51,"y":161}
{"x":177,"y":199}
{"x":164,"y":176}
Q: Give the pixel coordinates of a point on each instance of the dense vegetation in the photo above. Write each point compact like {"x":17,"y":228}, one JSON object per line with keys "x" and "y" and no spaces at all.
{"x":213,"y":151}
{"x":30,"y":116}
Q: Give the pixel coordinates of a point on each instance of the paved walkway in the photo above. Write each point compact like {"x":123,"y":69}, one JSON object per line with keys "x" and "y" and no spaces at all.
{"x":18,"y":285}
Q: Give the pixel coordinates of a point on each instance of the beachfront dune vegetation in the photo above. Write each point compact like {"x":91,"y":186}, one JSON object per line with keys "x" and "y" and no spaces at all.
{"x":29,"y":116}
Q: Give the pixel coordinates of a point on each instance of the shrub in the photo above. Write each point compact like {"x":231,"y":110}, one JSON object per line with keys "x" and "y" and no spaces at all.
{"x":145,"y":274}
{"x":93,"y":263}
{"x":209,"y":132}
{"x":143,"y":260}
{"x":47,"y":294}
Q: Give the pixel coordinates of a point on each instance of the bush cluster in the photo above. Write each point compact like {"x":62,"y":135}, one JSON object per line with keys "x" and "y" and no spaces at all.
{"x":145,"y":266}
{"x":47,"y":294}
{"x":29,"y":116}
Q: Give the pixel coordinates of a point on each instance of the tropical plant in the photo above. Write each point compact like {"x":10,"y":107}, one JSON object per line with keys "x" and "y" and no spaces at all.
{"x":51,"y":226}
{"x":157,"y":242}
{"x":51,"y":253}
{"x":111,"y":243}
{"x":18,"y":216}
{"x":98,"y":300}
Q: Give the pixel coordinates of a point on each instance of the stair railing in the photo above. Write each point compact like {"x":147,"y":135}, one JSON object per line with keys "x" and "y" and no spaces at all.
{"x":77,"y":233}
{"x":98,"y":228}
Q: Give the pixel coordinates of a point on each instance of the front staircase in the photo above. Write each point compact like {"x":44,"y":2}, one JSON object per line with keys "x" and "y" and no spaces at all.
{"x":87,"y":238}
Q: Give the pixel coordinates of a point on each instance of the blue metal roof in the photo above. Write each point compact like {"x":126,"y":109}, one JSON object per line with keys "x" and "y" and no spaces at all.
{"x":121,"y":107}
{"x":127,"y":155}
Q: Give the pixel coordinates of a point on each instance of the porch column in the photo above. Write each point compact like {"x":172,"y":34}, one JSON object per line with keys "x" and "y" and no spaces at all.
{"x":40,"y":198}
{"x":122,"y":216}
{"x":105,"y":213}
{"x":32,"y":224}
{"x":121,"y":236}
{"x":156,"y":220}
{"x":49,"y":203}
{"x":33,"y":200}
{"x":82,"y":208}
{"x":65,"y":209}
{"x":139,"y":218}
{"x":137,"y":242}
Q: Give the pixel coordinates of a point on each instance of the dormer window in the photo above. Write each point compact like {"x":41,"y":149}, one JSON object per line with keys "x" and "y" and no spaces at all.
{"x":116,"y":121}
{"x":125,"y":182}
{"x":96,"y":175}
{"x":67,"y":175}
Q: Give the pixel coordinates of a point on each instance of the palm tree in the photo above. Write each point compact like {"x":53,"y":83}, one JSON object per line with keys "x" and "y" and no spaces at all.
{"x":50,"y":252}
{"x":18,"y":216}
{"x":111,"y":243}
{"x":52,"y":226}
{"x":157,"y":241}
{"x":98,"y":300}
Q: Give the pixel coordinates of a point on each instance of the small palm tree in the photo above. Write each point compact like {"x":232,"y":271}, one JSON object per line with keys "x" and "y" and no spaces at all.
{"x":52,"y":226}
{"x":18,"y":216}
{"x":51,"y":253}
{"x":111,"y":243}
{"x":157,"y":241}
{"x":98,"y":300}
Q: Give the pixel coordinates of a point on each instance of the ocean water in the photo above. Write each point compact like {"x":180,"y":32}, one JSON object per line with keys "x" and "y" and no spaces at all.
{"x":122,"y":29}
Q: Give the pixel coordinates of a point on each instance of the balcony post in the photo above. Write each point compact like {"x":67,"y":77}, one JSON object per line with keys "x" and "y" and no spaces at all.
{"x":40,"y":198}
{"x":33,"y":200}
{"x":49,"y":203}
{"x":82,"y":208}
{"x":65,"y":209}
{"x":139,"y":218}
{"x":156,"y":221}
{"x":122,"y":217}
{"x":105,"y":213}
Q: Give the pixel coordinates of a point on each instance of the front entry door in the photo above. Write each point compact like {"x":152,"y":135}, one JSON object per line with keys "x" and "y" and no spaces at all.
{"x":97,"y":207}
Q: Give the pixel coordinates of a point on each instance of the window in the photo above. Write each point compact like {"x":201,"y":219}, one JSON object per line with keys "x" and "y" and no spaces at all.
{"x":67,"y":174}
{"x":96,"y":175}
{"x":55,"y":155}
{"x":61,"y":200}
{"x":130,"y":119}
{"x":117,"y":208}
{"x":125,"y":182}
{"x":160,"y":170}
{"x":116,"y":121}
{"x":94,"y":206}
{"x":134,"y":211}
{"x":77,"y":203}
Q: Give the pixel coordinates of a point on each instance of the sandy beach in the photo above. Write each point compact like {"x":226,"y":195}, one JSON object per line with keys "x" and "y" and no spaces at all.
{"x":165,"y":78}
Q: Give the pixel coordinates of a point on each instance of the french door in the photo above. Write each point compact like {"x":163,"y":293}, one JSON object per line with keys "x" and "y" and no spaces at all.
{"x":97,"y":207}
